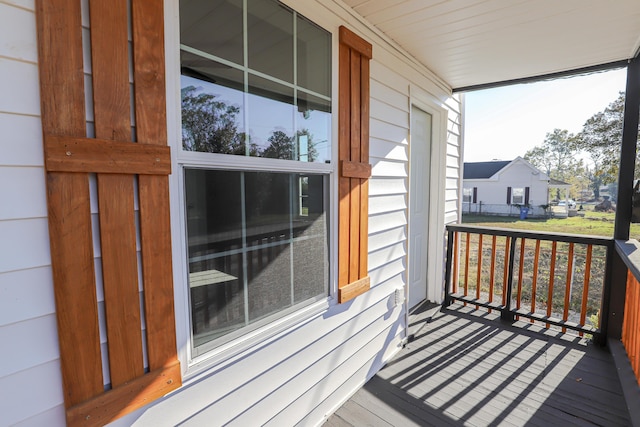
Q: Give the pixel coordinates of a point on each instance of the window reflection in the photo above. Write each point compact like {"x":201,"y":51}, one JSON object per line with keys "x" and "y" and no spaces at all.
{"x":313,"y":48}
{"x":261,"y":108}
{"x":213,"y":26}
{"x":271,"y":118}
{"x":257,"y":244}
{"x":270,"y":39}
{"x":313,"y":128}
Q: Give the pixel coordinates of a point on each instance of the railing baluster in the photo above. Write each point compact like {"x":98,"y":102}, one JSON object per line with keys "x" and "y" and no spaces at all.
{"x":567,"y":291}
{"x":632,"y":335}
{"x":520,"y":274}
{"x":456,"y":260}
{"x":506,"y":313}
{"x":452,"y":256}
{"x":479,"y":272}
{"x":505,"y":277}
{"x":603,"y":325}
{"x":466,"y":266}
{"x":585,"y":288}
{"x":632,"y":325}
{"x":534,"y":281}
{"x":552,"y":273}
{"x":626,"y":321}
{"x":493,"y":268}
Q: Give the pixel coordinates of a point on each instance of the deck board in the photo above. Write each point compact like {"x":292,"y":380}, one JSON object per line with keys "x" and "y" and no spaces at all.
{"x":465,"y":367}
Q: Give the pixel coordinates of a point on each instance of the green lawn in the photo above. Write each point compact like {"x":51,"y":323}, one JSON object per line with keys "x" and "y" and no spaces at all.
{"x":594,"y":223}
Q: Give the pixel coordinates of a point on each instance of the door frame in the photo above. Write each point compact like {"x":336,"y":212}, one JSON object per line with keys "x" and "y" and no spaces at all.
{"x":437,"y":183}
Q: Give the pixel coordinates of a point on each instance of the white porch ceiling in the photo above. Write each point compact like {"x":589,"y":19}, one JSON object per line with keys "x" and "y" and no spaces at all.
{"x":472,"y":42}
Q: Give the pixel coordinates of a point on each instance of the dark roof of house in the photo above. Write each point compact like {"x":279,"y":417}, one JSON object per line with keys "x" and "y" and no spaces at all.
{"x":553,"y":181}
{"x":483,"y":170}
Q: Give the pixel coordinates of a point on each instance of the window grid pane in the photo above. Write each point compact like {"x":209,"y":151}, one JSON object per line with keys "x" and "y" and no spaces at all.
{"x":293,"y":48}
{"x":255,"y":246}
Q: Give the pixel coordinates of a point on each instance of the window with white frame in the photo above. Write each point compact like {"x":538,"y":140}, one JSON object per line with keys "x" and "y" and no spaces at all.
{"x":467,"y":193}
{"x":256,"y":158}
{"x":517,"y":196}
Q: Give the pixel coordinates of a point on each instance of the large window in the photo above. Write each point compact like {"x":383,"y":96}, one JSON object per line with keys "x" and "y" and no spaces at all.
{"x":256,"y":82}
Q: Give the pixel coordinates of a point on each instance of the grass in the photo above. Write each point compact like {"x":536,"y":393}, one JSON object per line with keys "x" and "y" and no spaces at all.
{"x":594,"y":224}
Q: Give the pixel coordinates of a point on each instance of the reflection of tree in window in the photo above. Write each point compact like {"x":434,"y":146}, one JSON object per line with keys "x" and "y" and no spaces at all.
{"x":282,"y":146}
{"x":209,"y":125}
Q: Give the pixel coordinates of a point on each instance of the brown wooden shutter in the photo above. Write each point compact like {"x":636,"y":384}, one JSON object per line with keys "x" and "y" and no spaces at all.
{"x":508,"y":195}
{"x":355,"y":170}
{"x":475,"y":194}
{"x":116,"y":160}
{"x":526,"y":195}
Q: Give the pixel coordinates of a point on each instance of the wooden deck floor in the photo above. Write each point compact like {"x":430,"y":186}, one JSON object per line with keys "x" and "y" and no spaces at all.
{"x":471,"y":369}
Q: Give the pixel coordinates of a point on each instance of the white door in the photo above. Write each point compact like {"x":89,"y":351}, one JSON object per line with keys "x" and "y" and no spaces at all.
{"x":420,"y":153}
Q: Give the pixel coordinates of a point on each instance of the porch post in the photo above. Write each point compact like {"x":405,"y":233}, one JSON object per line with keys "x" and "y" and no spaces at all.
{"x":628,"y":151}
{"x":625,"y":192}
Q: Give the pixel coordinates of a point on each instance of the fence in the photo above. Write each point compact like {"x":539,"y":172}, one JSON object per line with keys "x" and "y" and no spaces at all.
{"x":501,"y":210}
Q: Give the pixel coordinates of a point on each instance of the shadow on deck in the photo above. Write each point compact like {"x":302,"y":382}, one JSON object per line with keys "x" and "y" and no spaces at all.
{"x":468,"y":368}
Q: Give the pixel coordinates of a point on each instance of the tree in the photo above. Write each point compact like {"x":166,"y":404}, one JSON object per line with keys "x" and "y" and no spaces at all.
{"x":210,"y":125}
{"x":601,"y":138}
{"x":556,"y":156}
{"x":282,"y":146}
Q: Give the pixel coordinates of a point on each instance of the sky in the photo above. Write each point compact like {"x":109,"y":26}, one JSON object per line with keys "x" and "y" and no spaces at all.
{"x":503,"y":123}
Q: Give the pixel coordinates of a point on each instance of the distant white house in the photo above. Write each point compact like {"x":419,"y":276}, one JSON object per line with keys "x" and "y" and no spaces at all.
{"x":502,"y":187}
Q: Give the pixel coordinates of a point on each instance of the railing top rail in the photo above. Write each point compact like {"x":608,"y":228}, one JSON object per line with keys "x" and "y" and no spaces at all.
{"x":629,"y":251}
{"x":531,"y":234}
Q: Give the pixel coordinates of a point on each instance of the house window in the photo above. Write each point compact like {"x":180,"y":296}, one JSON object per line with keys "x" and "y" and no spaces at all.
{"x":467,"y":193}
{"x":256,"y":87}
{"x":517,"y":196}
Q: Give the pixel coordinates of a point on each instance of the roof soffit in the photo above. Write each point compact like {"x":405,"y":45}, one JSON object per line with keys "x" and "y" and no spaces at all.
{"x":473,"y":42}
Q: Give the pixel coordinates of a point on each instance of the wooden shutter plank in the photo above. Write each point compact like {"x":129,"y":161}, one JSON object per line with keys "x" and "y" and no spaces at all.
{"x":355,"y":42}
{"x":61,"y":69}
{"x":157,"y":271}
{"x":126,"y":398}
{"x":70,"y":232}
{"x":110,"y":69}
{"x":120,"y":277}
{"x":69,"y":214}
{"x":148,"y":71}
{"x":112,"y":111}
{"x":155,"y":226}
{"x":69,"y":154}
{"x":355,"y":169}
{"x":364,"y":159}
{"x":354,"y":289}
{"x":344,"y":115}
{"x":354,"y":155}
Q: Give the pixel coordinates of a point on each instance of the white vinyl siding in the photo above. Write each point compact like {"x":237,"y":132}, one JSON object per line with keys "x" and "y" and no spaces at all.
{"x":30,"y":380}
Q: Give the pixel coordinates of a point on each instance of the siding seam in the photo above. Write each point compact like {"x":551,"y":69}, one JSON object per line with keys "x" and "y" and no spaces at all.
{"x":17,"y":6}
